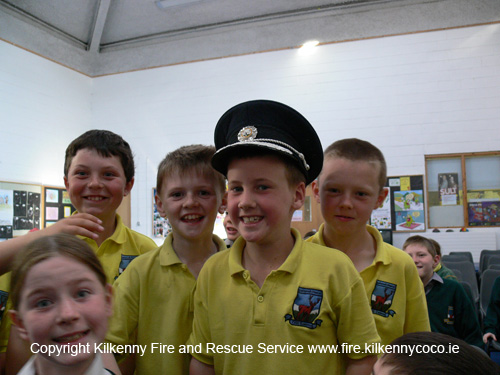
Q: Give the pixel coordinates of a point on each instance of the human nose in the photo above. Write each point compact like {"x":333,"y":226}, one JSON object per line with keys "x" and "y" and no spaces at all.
{"x":190,"y":200}
{"x":95,"y":181}
{"x":346,"y":200}
{"x":246,"y":200}
{"x":68,"y":311}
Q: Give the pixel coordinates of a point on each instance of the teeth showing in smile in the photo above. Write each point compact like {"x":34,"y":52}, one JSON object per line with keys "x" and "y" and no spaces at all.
{"x":252,"y":219}
{"x":95,"y":198}
{"x":191,"y":217}
{"x":70,"y":338}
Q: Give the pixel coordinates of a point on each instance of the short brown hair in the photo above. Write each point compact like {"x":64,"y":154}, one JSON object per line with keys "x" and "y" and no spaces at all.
{"x":422,"y":241}
{"x":355,"y":149}
{"x":292,"y":172}
{"x":50,"y":247}
{"x":106,"y":144}
{"x":469,"y":360}
{"x":188,"y":158}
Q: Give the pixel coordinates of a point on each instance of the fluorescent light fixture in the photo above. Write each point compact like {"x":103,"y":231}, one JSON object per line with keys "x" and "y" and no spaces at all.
{"x":308,"y":47}
{"x":164,"y":4}
{"x":310,"y":44}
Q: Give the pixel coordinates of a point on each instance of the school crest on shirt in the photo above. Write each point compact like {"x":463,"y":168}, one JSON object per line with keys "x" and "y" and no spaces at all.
{"x":3,"y":302}
{"x":305,"y":309}
{"x":126,"y":259}
{"x":450,"y":316}
{"x":381,"y":300}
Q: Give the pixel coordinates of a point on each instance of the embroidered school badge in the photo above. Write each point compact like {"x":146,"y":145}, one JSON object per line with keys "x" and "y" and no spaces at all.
{"x":306,"y":308}
{"x":3,"y":302}
{"x":126,"y":259}
{"x":382,"y":296}
{"x":450,"y":318}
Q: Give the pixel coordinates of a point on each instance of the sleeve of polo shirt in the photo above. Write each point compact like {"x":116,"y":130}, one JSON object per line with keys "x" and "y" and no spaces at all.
{"x":417,"y":315}
{"x":123,"y":324}
{"x":355,"y":323}
{"x":201,"y":329}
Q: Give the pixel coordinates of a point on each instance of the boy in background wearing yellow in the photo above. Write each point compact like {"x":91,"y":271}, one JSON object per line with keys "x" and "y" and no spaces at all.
{"x":98,"y":173}
{"x":153,"y":297}
{"x":349,"y":188}
{"x":272,"y":288}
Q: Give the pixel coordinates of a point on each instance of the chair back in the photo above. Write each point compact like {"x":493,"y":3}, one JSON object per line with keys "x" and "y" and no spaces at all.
{"x":468,"y":274}
{"x":487,"y":280}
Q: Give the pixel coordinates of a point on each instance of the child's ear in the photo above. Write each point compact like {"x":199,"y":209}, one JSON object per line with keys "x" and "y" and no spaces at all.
{"x":381,"y":197}
{"x":108,"y":295}
{"x":300,"y":196}
{"x":128,"y":187}
{"x":19,"y":324}
{"x":159,"y":206}
{"x":315,"y":190}
{"x":223,"y":205}
{"x":437,"y":259}
{"x":66,"y":184}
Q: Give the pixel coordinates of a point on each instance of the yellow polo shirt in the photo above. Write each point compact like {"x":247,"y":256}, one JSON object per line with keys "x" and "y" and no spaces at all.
{"x":154,"y":304}
{"x":315,"y":297}
{"x":117,"y":251}
{"x":394,"y":289}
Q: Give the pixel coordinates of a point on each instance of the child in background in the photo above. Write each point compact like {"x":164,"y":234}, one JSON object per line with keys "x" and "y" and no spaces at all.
{"x":441,"y":269}
{"x":457,"y":358}
{"x":272,"y":288}
{"x":98,"y":173}
{"x":450,"y":310}
{"x":61,"y":301}
{"x":349,"y":188}
{"x":231,"y":231}
{"x":153,"y":297}
{"x":491,"y":321}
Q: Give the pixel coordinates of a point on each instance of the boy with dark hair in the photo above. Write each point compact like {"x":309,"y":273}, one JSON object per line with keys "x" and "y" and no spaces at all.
{"x":450,"y":310}
{"x":349,"y":188}
{"x":153,"y":301}
{"x":98,"y":173}
{"x":459,"y":358}
{"x":259,"y":305}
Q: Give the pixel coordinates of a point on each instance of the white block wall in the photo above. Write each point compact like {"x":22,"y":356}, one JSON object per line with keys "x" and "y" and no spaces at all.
{"x":410,"y":95}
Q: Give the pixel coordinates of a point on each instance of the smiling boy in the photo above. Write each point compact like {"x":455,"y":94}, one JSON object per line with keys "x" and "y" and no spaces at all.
{"x":450,"y":310}
{"x":153,"y":301}
{"x":271,"y":289}
{"x":349,"y":188}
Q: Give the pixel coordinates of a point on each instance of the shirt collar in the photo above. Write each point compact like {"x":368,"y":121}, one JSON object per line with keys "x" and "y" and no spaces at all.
{"x":169,"y":257}
{"x":435,"y":279}
{"x":289,"y":265}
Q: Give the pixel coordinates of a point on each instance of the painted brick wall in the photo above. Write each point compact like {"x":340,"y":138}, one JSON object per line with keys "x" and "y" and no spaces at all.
{"x":410,"y":95}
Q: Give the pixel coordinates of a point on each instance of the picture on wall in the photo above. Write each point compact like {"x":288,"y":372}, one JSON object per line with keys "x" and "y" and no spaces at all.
{"x":404,"y":208}
{"x":448,"y":189}
{"x":20,"y":206}
{"x":484,"y":213}
{"x":161,"y":226}
{"x":56,"y":206}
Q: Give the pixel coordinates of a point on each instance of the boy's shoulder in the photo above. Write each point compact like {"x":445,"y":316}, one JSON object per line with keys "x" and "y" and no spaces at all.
{"x":126,"y":235}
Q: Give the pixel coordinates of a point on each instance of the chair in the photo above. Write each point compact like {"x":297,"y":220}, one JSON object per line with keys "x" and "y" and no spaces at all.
{"x":494,"y":267}
{"x":465,"y":254}
{"x":468,"y":290}
{"x":483,"y":256}
{"x":459,"y":275}
{"x":494,"y":259}
{"x":468,"y":274}
{"x":487,"y":281}
{"x":455,"y":258}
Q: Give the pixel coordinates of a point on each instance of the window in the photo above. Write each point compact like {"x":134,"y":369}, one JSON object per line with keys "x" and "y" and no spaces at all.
{"x":463,"y":189}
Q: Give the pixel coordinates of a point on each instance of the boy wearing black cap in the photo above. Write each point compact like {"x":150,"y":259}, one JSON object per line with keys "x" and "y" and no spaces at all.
{"x":268,"y":302}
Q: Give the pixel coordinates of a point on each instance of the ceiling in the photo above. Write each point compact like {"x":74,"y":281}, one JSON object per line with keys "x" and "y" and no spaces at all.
{"x":99,"y":37}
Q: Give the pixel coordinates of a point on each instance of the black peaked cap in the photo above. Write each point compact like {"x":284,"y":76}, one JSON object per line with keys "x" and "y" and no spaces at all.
{"x":270,"y":125}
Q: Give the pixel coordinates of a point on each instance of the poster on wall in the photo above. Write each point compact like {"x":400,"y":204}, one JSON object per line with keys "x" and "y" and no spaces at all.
{"x":56,"y":205}
{"x":161,"y":226}
{"x":20,"y":206}
{"x":404,"y":208}
{"x":484,"y":213}
{"x":448,"y":189}
{"x":381,"y":217}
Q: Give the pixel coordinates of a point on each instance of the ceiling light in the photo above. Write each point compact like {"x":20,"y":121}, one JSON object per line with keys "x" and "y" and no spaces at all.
{"x":308,"y":47}
{"x":164,"y":4}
